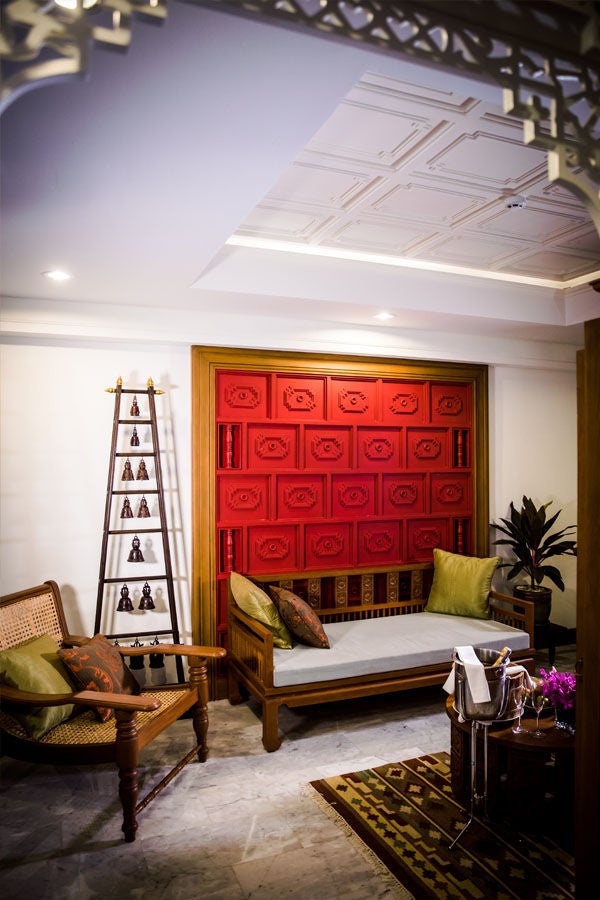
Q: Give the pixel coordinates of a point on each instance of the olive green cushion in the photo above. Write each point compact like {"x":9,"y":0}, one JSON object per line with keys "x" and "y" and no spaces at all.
{"x":258,"y":605}
{"x":461,"y":584}
{"x":36,"y":667}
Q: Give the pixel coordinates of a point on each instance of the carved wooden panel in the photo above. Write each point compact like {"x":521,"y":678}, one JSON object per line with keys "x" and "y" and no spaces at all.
{"x":308,"y":492}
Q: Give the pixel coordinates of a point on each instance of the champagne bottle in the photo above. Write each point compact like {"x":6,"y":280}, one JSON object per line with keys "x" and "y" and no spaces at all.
{"x":502,"y":658}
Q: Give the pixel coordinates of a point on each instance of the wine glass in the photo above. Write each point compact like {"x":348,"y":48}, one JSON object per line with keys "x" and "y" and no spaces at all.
{"x":537,"y":702}
{"x":520,"y":699}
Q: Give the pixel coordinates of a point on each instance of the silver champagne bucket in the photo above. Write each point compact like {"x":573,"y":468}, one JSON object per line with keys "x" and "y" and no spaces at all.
{"x":497,"y":682}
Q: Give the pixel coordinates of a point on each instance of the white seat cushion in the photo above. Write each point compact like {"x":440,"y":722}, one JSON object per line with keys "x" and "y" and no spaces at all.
{"x":373,"y":646}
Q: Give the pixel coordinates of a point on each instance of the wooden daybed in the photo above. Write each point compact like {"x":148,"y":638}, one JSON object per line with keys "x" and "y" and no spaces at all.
{"x":392,"y":653}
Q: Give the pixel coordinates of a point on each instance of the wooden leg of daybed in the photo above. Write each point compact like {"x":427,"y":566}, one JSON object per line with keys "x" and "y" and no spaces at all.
{"x":234,"y":688}
{"x":270,"y":717}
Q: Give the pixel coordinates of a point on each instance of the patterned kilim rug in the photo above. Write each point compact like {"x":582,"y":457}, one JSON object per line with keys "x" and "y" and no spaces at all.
{"x":407,"y":817}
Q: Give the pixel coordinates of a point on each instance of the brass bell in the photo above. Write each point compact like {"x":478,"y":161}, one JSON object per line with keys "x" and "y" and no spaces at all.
{"x":126,"y":510}
{"x":135,"y":410}
{"x":144,"y":511}
{"x":127,"y":472}
{"x":146,"y":602}
{"x":137,"y":662}
{"x":135,"y":554}
{"x":135,"y":441}
{"x":142,"y":473}
{"x":125,"y":604}
{"x":157,"y":660}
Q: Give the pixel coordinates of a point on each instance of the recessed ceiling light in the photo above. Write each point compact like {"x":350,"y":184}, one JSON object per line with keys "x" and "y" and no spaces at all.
{"x":57,"y":275}
{"x":72,"y":4}
{"x":384,"y":316}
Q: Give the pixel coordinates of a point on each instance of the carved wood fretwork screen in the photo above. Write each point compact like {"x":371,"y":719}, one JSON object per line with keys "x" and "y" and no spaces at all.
{"x":318,"y":463}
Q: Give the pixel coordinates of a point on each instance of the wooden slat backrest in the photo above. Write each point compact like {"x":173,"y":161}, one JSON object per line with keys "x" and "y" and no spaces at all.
{"x":335,"y":592}
{"x":31,"y":613}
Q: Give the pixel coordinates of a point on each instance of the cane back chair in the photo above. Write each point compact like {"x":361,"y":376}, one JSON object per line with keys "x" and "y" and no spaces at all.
{"x":82,"y":739}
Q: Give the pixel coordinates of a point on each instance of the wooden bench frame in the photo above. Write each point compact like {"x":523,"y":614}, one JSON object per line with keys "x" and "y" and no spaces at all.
{"x":250,"y":644}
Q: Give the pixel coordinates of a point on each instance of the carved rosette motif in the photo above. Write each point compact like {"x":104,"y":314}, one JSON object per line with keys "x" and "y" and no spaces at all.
{"x":416,"y":585}
{"x":331,"y":544}
{"x":378,"y":448}
{"x":428,"y":448}
{"x":299,"y":399}
{"x":341,"y":590}
{"x":367,"y":589}
{"x":351,"y":496}
{"x":393,"y":587}
{"x":276,"y":547}
{"x":313,"y":592}
{"x":449,"y":405}
{"x":449,"y":493}
{"x":300,"y":497}
{"x":270,"y":446}
{"x":242,"y":396}
{"x":244,"y":498}
{"x":353,"y":401}
{"x":404,"y":404}
{"x":378,"y":542}
{"x":326,"y":448}
{"x":427,"y":538}
{"x":403,"y":493}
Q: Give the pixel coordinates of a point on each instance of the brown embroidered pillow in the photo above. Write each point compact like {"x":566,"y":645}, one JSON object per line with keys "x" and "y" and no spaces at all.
{"x":98,"y":666}
{"x":301,"y":620}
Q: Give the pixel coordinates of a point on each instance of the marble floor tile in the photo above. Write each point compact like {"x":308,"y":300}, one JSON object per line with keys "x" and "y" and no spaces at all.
{"x":242,"y":825}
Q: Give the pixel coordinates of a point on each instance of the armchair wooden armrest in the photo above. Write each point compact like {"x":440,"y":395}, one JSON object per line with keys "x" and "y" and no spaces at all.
{"x":79,"y":698}
{"x":192,"y":650}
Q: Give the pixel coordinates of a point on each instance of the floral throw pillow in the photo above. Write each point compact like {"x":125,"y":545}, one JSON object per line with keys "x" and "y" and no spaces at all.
{"x":98,"y":666}
{"x":301,"y":620}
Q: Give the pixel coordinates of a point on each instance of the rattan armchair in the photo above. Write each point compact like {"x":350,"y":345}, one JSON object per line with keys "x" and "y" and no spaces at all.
{"x":82,"y":739}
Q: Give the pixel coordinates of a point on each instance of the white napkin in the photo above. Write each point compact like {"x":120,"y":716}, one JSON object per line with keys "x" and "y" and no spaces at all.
{"x":527,"y":682}
{"x":475,"y":674}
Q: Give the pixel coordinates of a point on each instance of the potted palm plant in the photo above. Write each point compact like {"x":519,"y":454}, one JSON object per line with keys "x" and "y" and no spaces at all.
{"x":528,"y":535}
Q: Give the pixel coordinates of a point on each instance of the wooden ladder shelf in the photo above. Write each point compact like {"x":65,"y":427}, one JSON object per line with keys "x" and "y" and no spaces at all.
{"x":115,"y":530}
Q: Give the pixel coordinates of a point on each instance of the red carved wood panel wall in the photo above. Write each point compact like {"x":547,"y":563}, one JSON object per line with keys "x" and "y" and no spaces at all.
{"x":326,"y":472}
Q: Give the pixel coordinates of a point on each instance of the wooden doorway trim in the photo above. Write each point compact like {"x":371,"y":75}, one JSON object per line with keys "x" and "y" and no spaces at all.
{"x":587,"y":760}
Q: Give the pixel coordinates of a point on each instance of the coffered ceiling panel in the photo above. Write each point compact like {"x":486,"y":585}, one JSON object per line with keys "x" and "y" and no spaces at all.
{"x":426,"y":203}
{"x":432,"y":175}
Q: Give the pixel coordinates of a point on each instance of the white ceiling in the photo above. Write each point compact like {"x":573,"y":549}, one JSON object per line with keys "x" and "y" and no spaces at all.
{"x":225,"y":163}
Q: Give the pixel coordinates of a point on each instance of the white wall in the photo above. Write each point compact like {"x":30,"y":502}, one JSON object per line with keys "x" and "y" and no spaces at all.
{"x":56,"y":424}
{"x":55,"y":448}
{"x":533,"y":451}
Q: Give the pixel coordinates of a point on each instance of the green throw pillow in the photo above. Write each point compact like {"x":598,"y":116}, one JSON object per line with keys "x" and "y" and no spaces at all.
{"x":461,"y":584}
{"x":35,"y":666}
{"x":258,"y":605}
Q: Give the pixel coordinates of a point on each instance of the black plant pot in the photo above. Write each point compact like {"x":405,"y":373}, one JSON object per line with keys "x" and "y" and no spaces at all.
{"x":541,"y":596}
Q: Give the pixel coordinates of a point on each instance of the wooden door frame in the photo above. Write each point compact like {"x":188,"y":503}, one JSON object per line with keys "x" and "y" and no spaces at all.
{"x":587,"y":742}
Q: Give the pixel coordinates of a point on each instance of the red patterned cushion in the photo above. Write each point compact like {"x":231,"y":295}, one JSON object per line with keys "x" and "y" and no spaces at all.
{"x":98,"y":666}
{"x":301,"y":620}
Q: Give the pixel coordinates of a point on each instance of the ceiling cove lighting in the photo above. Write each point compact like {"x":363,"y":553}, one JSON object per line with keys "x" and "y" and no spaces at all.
{"x":57,"y":275}
{"x":239,"y":240}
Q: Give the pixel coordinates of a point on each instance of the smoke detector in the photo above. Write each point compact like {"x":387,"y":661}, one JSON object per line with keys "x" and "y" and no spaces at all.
{"x":516,"y":202}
